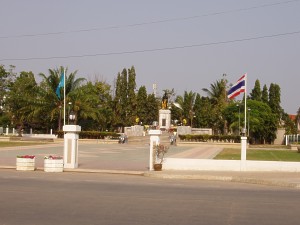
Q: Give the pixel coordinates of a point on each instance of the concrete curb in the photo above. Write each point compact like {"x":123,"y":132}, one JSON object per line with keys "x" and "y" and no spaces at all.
{"x":162,"y":175}
{"x":266,"y":182}
{"x":124,"y":172}
{"x":223,"y":178}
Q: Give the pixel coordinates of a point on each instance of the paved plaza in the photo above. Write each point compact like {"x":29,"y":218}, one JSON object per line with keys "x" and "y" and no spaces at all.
{"x":106,"y":156}
{"x":134,"y":159}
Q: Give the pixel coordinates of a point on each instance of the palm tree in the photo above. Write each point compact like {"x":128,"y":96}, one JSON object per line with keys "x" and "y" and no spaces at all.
{"x":185,"y":106}
{"x":217,"y":96}
{"x":91,"y":102}
{"x":188,"y":105}
{"x":51,"y":103}
{"x":217,"y":92}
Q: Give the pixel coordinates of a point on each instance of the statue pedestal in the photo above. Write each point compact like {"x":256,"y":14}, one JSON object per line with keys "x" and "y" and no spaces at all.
{"x":71,"y":145}
{"x":164,"y":119}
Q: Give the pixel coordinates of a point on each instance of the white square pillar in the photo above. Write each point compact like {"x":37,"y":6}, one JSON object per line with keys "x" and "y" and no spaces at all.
{"x":71,"y":146}
{"x":154,"y":137}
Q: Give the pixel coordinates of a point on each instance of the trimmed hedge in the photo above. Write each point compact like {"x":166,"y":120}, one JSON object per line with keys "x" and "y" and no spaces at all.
{"x":93,"y":135}
{"x":210,"y":138}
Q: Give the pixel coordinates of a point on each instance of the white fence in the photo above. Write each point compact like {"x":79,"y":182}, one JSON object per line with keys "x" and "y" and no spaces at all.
{"x":292,"y":139}
{"x":12,"y":131}
{"x":229,"y":165}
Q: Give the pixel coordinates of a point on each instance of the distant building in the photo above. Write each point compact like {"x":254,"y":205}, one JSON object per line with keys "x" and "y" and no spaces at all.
{"x":294,"y":118}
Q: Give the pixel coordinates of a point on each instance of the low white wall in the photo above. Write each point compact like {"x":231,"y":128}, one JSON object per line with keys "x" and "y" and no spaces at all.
{"x":40,"y":135}
{"x":229,"y":165}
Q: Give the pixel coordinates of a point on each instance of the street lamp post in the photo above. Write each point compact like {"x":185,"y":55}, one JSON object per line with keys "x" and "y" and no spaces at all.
{"x":72,"y":118}
{"x":70,"y":105}
{"x":192,"y":115}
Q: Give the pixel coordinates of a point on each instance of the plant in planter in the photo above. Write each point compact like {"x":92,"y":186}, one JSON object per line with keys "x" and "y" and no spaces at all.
{"x":25,"y":162}
{"x":53,"y":157}
{"x":159,"y":152}
{"x":26,"y":156}
{"x":53,"y":163}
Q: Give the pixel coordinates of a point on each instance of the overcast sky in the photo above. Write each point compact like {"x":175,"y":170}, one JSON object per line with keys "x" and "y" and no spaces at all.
{"x":180,"y":44}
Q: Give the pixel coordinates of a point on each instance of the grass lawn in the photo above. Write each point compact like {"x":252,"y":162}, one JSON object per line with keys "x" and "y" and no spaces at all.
{"x":16,"y":144}
{"x":260,"y":155}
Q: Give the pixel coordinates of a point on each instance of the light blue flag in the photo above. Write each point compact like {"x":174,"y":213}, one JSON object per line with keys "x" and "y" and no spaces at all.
{"x":60,"y":85}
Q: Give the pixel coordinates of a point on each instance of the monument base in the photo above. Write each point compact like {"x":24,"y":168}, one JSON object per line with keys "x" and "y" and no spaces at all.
{"x":164,"y":119}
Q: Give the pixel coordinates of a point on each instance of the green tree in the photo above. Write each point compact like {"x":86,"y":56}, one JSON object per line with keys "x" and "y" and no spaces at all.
{"x":50,"y":102}
{"x":217,"y":96}
{"x":184,"y":108}
{"x":197,"y":111}
{"x":6,"y":81}
{"x":3,"y":81}
{"x":263,"y":123}
{"x":217,"y":92}
{"x":205,"y":116}
{"x":188,"y":106}
{"x":289,"y":125}
{"x":261,"y":119}
{"x":117,"y":107}
{"x":274,"y":101}
{"x":92,"y":104}
{"x":124,"y":97}
{"x":265,"y":95}
{"x":125,"y":102}
{"x":232,"y":114}
{"x":256,"y":93}
{"x":131,"y":95}
{"x":21,"y":101}
{"x":177,"y":110}
{"x":153,"y":107}
{"x":142,"y":104}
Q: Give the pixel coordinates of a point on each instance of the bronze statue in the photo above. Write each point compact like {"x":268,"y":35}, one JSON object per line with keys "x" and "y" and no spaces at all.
{"x":164,"y":102}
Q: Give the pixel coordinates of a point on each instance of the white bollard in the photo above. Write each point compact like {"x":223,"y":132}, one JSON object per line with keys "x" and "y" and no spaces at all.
{"x":243,"y":148}
{"x":243,"y":153}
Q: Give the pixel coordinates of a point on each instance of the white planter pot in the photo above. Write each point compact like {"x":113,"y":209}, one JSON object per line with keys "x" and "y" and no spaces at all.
{"x":25,"y":164}
{"x":53,"y":165}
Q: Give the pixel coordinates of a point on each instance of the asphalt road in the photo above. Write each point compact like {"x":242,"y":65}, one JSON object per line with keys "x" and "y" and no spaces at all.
{"x":29,"y":198}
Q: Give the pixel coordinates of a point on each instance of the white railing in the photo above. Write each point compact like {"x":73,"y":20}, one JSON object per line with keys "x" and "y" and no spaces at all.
{"x":292,"y":139}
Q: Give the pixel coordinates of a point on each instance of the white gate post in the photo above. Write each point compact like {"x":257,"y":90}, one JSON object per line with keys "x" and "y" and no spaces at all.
{"x":71,"y":145}
{"x":243,"y":153}
{"x":154,"y":137}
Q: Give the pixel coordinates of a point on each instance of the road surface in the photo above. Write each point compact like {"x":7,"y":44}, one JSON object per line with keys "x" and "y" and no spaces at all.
{"x":29,"y":198}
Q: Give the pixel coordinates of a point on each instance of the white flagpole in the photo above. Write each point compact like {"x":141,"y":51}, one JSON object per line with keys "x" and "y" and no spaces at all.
{"x":244,"y":138}
{"x":245,"y":126}
{"x":64,"y":96}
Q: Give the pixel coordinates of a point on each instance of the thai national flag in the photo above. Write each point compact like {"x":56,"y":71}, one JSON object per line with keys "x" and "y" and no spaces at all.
{"x":237,"y":88}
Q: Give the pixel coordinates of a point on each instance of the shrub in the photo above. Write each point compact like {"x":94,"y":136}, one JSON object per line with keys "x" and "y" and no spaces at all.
{"x":206,"y":137}
{"x":93,"y":135}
